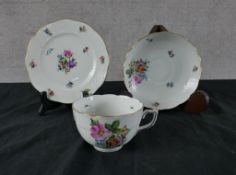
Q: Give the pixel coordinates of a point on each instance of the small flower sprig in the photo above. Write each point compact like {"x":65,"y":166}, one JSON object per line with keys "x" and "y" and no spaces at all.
{"x":137,"y":71}
{"x":66,"y":61}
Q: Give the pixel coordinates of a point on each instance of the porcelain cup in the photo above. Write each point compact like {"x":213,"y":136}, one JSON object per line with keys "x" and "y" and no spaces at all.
{"x":107,"y":122}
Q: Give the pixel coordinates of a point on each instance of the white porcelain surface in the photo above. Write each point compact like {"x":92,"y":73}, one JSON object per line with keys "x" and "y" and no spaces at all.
{"x":66,"y":58}
{"x":108,"y":121}
{"x":162,"y":70}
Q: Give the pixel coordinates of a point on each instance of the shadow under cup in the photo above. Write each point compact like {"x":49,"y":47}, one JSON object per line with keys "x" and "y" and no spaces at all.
{"x":109,"y":121}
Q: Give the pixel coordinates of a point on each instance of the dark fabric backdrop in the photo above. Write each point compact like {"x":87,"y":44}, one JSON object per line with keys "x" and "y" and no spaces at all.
{"x":179,"y":143}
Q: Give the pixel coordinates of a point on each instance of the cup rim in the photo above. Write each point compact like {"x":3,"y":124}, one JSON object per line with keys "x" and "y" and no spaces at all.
{"x":119,"y":96}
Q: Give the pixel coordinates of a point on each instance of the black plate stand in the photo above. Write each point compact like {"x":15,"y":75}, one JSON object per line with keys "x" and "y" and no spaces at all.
{"x":48,"y":105}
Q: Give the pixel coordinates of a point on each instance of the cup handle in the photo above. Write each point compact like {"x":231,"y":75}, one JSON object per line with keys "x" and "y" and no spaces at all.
{"x":152,"y":122}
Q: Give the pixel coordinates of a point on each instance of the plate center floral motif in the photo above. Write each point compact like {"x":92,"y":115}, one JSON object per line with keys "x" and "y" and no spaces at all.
{"x":108,"y":135}
{"x":137,"y":71}
{"x":66,"y":61}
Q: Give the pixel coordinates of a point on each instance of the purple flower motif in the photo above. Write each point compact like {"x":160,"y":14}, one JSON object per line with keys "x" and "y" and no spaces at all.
{"x":99,"y":132}
{"x":70,"y":64}
{"x":142,"y":76}
{"x":68,"y":53}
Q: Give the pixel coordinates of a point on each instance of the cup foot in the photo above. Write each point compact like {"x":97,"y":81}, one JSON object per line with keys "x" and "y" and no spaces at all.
{"x":107,"y":150}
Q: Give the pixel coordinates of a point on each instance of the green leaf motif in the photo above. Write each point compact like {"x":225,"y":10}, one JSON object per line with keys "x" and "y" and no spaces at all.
{"x":94,"y":122}
{"x":108,"y":126}
{"x":116,"y":130}
{"x":128,"y":72}
{"x":115,"y":124}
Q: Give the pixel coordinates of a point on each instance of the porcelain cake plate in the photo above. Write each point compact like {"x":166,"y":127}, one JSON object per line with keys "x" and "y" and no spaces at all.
{"x":162,"y":70}
{"x":65,"y":59}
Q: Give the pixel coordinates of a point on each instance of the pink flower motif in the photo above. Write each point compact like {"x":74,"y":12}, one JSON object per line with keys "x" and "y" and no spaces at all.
{"x":33,"y":64}
{"x":68,"y":53}
{"x":136,"y":79}
{"x":50,"y":92}
{"x":102,"y":59}
{"x":99,"y":132}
